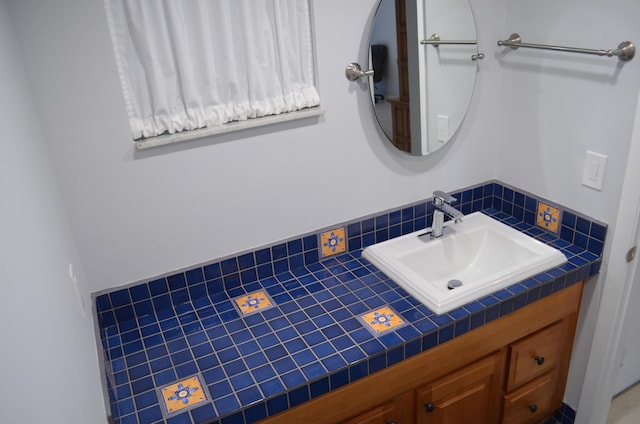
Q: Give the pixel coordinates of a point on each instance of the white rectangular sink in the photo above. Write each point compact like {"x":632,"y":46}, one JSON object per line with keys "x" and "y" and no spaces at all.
{"x":482,"y":253}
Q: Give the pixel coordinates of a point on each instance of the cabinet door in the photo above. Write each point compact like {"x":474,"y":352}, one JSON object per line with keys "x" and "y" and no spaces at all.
{"x":470,"y":395}
{"x":398,"y":411}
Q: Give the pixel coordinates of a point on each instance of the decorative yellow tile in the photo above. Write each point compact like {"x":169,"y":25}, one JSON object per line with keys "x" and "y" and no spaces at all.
{"x":333,"y":242}
{"x":250,"y":303}
{"x":548,"y":217}
{"x":381,"y":320}
{"x":183,"y":394}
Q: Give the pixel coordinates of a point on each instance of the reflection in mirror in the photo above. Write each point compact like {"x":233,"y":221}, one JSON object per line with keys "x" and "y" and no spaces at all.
{"x":421,"y":92}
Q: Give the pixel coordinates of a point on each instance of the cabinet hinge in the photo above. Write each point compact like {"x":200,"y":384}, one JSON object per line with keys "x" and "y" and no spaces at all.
{"x":631,"y":254}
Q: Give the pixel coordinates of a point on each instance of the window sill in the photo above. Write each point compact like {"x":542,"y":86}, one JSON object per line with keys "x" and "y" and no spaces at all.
{"x":163,"y":140}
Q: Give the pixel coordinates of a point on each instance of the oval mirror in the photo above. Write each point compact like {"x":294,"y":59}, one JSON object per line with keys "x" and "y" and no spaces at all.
{"x":421,"y":89}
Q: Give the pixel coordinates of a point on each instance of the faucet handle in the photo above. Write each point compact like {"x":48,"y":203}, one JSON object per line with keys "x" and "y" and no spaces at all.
{"x":440,"y":197}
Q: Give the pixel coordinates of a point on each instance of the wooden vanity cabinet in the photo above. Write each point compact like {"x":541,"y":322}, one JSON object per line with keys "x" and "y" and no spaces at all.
{"x":512,"y":371}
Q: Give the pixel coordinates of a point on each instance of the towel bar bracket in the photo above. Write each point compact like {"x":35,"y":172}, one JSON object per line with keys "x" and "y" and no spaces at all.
{"x":354,"y":72}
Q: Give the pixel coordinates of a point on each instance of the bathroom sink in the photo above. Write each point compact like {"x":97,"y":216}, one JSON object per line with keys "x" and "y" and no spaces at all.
{"x":474,"y":258}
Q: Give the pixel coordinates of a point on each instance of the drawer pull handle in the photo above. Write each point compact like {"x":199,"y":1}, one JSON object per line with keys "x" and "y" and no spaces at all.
{"x":539,"y":359}
{"x":430,"y":407}
{"x":533,"y":407}
{"x":391,"y":422}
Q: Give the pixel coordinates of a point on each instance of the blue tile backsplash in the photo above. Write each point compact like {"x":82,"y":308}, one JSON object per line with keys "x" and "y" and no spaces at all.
{"x":312,"y":339}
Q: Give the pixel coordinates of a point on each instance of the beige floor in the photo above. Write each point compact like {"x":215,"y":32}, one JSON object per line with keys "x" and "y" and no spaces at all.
{"x":625,"y":408}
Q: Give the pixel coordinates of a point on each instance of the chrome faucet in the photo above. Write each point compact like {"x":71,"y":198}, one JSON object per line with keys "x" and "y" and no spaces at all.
{"x":442,"y":205}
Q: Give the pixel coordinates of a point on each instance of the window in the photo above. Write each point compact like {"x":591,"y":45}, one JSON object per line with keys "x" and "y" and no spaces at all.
{"x":186,"y":65}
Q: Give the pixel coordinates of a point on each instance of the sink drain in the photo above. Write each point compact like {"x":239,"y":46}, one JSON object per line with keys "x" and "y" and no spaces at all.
{"x":454,"y":284}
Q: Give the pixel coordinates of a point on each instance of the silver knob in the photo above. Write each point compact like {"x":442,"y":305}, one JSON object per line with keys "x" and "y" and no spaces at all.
{"x":478,"y":56}
{"x":355,"y":72}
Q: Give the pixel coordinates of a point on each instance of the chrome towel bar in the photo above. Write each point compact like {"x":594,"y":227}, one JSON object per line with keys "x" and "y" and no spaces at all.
{"x":625,"y":51}
{"x":435,"y":41}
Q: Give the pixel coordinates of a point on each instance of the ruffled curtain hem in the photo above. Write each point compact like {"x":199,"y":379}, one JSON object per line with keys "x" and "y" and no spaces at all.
{"x":210,"y":116}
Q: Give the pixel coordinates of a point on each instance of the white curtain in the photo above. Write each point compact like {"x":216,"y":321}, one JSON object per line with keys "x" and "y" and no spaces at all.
{"x":188,"y":64}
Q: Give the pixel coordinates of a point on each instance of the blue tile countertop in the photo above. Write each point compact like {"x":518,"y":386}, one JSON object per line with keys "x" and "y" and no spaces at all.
{"x":249,"y":336}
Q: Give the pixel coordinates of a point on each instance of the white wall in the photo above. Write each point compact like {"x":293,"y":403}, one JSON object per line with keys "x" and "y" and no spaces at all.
{"x":135,"y":216}
{"x":629,"y":370}
{"x":557,"y":106}
{"x":139,"y":215}
{"x":617,"y":298}
{"x":49,"y":368}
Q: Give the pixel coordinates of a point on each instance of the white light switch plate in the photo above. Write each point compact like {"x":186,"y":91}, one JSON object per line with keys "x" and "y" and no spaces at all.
{"x":594,"y":167}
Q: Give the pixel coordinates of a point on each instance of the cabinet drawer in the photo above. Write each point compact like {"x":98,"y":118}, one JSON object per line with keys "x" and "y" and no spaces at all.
{"x":534,"y":355}
{"x":531,"y":402}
